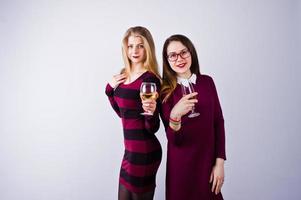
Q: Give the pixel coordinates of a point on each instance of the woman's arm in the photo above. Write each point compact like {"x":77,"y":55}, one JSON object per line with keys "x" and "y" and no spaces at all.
{"x":116,"y":80}
{"x":217,"y":174}
{"x":152,"y":122}
{"x":219,"y":128}
{"x":110,"y":93}
{"x":171,"y":115}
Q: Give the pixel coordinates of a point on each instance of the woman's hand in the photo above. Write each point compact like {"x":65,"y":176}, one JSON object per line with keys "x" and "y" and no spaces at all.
{"x":149,"y":105}
{"x":184,"y":105}
{"x":217,"y":176}
{"x":117,"y":79}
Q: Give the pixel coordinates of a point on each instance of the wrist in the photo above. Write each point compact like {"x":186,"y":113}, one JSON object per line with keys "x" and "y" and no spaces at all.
{"x":174,"y":126}
{"x":174,"y":122}
{"x":219,"y":161}
{"x":111,"y":85}
{"x":175,"y":116}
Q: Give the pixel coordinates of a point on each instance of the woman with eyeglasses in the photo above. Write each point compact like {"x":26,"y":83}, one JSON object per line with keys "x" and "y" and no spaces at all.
{"x":143,"y":153}
{"x":194,"y":125}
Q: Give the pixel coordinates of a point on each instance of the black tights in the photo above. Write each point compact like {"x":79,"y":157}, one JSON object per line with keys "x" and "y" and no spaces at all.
{"x":124,"y":194}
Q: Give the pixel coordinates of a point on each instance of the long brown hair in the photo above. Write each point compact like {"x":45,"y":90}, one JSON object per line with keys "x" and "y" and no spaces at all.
{"x":170,"y":76}
{"x":150,"y":62}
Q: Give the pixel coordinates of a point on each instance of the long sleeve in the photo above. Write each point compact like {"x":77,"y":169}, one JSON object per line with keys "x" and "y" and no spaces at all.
{"x":219,"y":128}
{"x":152,"y":123}
{"x":110,"y":93}
{"x":174,"y":137}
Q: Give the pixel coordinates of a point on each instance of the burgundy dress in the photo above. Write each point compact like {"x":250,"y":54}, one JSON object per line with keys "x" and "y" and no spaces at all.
{"x":143,"y":151}
{"x":192,"y":151}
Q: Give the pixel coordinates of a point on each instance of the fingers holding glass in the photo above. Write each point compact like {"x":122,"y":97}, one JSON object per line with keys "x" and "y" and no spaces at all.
{"x":148,"y":95}
{"x":149,"y":105}
{"x":184,"y":105}
{"x":188,"y":90}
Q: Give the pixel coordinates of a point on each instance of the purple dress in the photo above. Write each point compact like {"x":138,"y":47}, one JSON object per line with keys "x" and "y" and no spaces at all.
{"x":143,"y":153}
{"x":192,"y":151}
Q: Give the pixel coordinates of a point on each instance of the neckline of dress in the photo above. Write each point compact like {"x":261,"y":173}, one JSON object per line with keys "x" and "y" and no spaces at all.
{"x":135,"y":79}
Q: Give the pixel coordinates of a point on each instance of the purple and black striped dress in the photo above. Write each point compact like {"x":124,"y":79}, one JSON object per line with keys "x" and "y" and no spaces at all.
{"x":143,"y":153}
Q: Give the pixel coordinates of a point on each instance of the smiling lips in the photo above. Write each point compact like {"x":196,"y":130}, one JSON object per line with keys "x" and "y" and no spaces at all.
{"x":181,"y":65}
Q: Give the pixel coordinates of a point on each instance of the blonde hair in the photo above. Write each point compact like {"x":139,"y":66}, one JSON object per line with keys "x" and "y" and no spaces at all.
{"x":150,"y":62}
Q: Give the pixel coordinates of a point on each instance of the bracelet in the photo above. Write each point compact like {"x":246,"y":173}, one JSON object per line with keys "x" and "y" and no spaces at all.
{"x":174,"y":120}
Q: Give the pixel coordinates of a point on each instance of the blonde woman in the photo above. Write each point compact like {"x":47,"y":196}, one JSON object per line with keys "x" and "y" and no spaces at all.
{"x":143,"y":151}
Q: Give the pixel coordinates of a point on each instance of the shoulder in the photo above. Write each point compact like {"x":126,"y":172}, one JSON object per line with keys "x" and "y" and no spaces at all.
{"x":151,"y":77}
{"x":205,"y":78}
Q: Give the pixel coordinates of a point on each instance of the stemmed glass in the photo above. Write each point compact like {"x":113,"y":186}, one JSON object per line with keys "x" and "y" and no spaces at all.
{"x":148,"y":90}
{"x":188,"y":90}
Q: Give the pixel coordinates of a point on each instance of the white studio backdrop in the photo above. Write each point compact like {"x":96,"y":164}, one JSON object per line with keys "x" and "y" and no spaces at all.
{"x":59,"y":137}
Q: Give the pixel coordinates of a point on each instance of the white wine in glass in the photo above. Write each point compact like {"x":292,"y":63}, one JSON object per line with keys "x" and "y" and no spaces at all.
{"x":148,"y":90}
{"x":188,"y":90}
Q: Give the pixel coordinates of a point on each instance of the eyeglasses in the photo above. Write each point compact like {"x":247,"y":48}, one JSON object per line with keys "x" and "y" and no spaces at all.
{"x":172,"y":57}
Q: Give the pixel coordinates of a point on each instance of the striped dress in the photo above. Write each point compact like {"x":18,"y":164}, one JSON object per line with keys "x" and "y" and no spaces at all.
{"x":143,"y":153}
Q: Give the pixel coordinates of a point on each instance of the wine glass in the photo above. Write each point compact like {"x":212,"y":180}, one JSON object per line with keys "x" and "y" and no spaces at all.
{"x":148,"y":90}
{"x":187,"y":90}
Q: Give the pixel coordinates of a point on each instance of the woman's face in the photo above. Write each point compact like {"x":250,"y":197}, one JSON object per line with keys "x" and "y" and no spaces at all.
{"x":135,"y":49}
{"x":179,"y":59}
